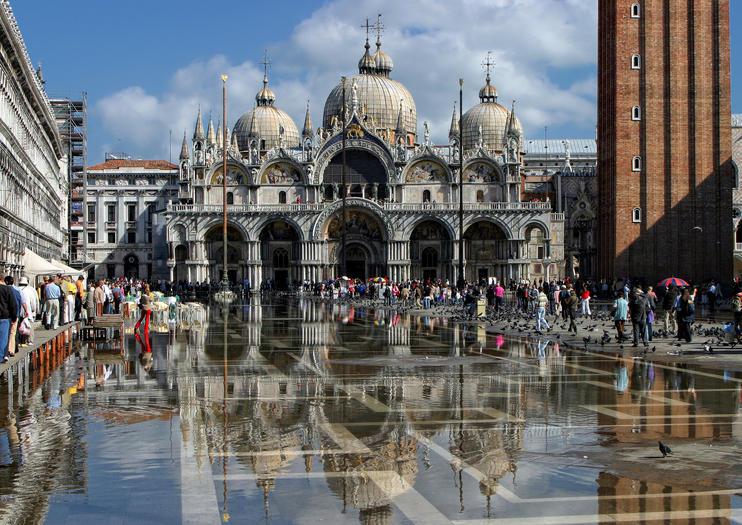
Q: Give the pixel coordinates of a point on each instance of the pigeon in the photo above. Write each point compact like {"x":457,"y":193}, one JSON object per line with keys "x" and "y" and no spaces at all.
{"x":664,"y":449}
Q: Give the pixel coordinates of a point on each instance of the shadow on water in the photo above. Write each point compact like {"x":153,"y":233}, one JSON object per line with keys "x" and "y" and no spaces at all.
{"x":296,"y":410}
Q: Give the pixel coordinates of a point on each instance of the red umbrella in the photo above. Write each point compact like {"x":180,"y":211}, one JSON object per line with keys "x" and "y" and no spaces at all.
{"x":673,"y":281}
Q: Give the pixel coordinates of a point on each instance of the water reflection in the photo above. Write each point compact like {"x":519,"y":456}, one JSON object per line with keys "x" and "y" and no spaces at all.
{"x":298,"y":410}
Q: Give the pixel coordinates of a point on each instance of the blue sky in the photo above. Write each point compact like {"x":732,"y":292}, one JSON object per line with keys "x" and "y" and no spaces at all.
{"x":147,"y":66}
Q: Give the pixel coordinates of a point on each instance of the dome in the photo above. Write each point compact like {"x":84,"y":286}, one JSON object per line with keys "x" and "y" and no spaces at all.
{"x":491,"y":117}
{"x":379,"y":96}
{"x":264,"y":122}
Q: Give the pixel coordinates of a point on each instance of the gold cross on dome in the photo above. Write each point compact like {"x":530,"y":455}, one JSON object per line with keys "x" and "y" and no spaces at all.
{"x":367,"y":27}
{"x":266,"y":63}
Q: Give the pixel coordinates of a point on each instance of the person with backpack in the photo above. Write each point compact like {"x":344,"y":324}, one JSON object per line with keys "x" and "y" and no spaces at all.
{"x":638,"y":306}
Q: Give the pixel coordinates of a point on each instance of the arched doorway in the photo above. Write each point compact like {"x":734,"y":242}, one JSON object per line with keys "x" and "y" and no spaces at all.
{"x":430,"y":251}
{"x":214,"y":239}
{"x":181,"y":254}
{"x":365,"y":243}
{"x":486,"y":252}
{"x":131,"y":266}
{"x":280,"y":251}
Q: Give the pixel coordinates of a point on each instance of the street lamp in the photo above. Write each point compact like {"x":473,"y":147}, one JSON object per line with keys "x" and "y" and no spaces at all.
{"x":224,"y":295}
{"x":461,"y":184}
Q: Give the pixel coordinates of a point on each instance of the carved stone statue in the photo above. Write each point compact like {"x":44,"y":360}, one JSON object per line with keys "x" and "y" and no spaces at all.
{"x":426,"y":133}
{"x":354,"y":98}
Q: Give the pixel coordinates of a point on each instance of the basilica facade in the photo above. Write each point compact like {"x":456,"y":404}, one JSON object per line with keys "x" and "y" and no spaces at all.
{"x":284,"y":199}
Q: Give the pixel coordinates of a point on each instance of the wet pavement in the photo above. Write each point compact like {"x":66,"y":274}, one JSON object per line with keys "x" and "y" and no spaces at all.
{"x":299,"y":411}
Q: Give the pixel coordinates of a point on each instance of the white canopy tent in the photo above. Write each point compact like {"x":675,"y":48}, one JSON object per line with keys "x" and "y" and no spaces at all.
{"x":67,"y":270}
{"x":34,"y":265}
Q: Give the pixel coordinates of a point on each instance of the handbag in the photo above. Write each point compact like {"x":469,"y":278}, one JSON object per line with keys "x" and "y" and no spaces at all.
{"x":25,"y":326}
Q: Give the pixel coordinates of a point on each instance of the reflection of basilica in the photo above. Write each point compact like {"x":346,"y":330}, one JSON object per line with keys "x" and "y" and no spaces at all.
{"x":285,"y":188}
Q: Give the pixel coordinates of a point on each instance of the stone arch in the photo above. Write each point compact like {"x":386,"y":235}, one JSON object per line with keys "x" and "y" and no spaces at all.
{"x":449,"y":228}
{"x":472,"y":220}
{"x":482,"y":170}
{"x":426,"y":170}
{"x":487,"y":249}
{"x":320,"y":223}
{"x":236,"y":174}
{"x":431,"y":235}
{"x":363,"y":228}
{"x":278,"y":217}
{"x":535,"y":223}
{"x":236,"y":244}
{"x":369,"y":144}
{"x":280,"y":251}
{"x":282,"y":172}
{"x":178,"y":233}
{"x":214,"y":223}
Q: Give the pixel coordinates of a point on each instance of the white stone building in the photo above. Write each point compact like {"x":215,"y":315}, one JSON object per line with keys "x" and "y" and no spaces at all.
{"x":285,"y":210}
{"x":125,"y":229}
{"x":33,"y":185}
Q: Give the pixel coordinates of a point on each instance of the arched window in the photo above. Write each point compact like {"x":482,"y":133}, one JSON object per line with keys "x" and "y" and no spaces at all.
{"x":280,"y":258}
{"x":480,"y":196}
{"x":636,"y":10}
{"x":636,"y":62}
{"x":282,"y":197}
{"x":230,"y":197}
{"x":636,"y":163}
{"x":636,"y":113}
{"x":429,"y":258}
{"x":426,"y":196}
{"x":636,"y":215}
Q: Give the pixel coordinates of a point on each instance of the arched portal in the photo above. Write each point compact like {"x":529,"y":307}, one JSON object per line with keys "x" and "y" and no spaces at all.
{"x":181,"y":254}
{"x":365,"y":244}
{"x":131,"y":266}
{"x":486,"y":251}
{"x":430,"y":251}
{"x":214,"y":240}
{"x":280,"y":252}
{"x":365,"y":175}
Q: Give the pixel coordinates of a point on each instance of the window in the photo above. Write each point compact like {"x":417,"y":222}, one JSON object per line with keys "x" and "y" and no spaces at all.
{"x":262,"y":144}
{"x":636,"y":215}
{"x":429,"y":258}
{"x":636,"y":62}
{"x":636,"y":113}
{"x":426,"y":196}
{"x":636,"y":164}
{"x":91,"y":237}
{"x":111,"y":213}
{"x":111,"y":237}
{"x":131,"y":236}
{"x":91,"y":212}
{"x":636,"y":10}
{"x":230,"y":198}
{"x":131,"y":212}
{"x":282,"y":197}
{"x":150,"y":212}
{"x":480,"y":196}
{"x":149,"y":235}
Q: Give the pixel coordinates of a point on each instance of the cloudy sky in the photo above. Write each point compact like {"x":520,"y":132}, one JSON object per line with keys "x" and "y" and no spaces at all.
{"x":147,"y":65}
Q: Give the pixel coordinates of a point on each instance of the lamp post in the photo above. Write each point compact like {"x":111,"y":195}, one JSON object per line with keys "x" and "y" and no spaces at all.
{"x":461,"y":184}
{"x":343,"y":269}
{"x":225,"y":275}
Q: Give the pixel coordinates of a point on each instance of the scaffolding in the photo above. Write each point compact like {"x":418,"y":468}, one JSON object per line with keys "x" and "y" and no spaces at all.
{"x":72,"y":120}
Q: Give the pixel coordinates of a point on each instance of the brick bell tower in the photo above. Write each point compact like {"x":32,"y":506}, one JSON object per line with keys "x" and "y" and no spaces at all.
{"x":664,"y":139}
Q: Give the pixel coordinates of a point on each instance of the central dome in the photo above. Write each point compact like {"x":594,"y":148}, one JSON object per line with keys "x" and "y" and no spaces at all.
{"x":489,"y":116}
{"x":379,"y":97}
{"x":265,"y":123}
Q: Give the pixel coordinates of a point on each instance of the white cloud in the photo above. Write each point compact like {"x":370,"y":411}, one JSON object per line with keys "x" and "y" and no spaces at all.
{"x":538,"y":45}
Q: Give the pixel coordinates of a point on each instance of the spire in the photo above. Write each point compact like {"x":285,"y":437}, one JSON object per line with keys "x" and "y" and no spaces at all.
{"x":453,"y":131}
{"x":219,"y":133}
{"x":184,"y":148}
{"x":512,"y":128}
{"x":399,"y":130}
{"x":198,"y":134}
{"x":234,"y":148}
{"x":210,"y":136}
{"x":307,"y":132}
{"x":265,"y":96}
{"x":384,"y":63}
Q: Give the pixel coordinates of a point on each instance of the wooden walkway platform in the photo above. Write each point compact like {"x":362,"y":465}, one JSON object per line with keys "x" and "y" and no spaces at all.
{"x":48,"y":347}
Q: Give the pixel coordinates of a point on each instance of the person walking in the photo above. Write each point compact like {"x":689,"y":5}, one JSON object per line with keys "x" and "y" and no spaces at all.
{"x":585,"y":303}
{"x":686,"y":312}
{"x":571,"y":307}
{"x":8,"y":315}
{"x":620,"y":314}
{"x":89,"y":304}
{"x":499,"y":297}
{"x":13,"y":330}
{"x":638,"y":307}
{"x":79,"y":296}
{"x":668,"y":310}
{"x":30,"y":304}
{"x":145,"y":307}
{"x":542,"y":302}
{"x":651,"y":315}
{"x":52,"y":296}
{"x":737,"y":312}
{"x":100,"y":298}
